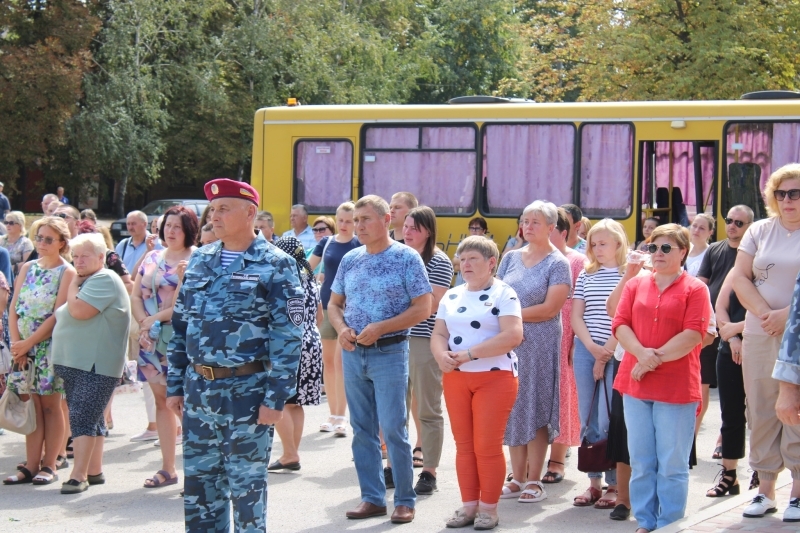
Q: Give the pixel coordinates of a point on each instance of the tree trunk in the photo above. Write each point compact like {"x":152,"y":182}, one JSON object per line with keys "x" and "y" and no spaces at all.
{"x":121,"y":186}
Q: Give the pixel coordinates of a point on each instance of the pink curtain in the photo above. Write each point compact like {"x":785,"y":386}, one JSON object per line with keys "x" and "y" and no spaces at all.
{"x":324,"y":173}
{"x":682,"y":166}
{"x":448,"y":138}
{"x":444,"y":181}
{"x":785,"y":144}
{"x":606,"y":169}
{"x":751,"y":143}
{"x":527,"y":162}
{"x":402,"y":138}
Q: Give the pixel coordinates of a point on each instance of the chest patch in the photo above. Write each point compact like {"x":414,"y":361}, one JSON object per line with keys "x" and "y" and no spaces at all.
{"x":238,"y":276}
{"x":295,"y":310}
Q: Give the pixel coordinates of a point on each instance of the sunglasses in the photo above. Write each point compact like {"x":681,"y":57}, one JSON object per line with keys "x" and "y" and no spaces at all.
{"x":665,"y":248}
{"x":737,"y":223}
{"x":46,"y":240}
{"x":63,"y":215}
{"x":10,"y":223}
{"x":321,"y":230}
{"x":794,"y":194}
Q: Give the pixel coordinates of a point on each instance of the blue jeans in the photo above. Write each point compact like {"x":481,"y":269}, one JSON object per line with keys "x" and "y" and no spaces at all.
{"x":597,"y":428}
{"x":375,"y":383}
{"x":659,"y":441}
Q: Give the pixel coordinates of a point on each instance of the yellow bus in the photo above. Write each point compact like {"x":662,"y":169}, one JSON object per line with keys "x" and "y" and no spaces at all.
{"x":490,"y":157}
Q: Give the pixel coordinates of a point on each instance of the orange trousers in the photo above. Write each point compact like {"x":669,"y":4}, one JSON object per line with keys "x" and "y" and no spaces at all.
{"x":479,"y":404}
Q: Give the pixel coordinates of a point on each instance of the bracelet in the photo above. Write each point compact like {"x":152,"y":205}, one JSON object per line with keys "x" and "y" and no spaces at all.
{"x":469,"y":353}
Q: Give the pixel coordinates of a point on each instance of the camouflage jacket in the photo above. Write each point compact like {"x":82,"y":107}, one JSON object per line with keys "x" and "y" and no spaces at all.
{"x":787,"y":367}
{"x":230,"y":317}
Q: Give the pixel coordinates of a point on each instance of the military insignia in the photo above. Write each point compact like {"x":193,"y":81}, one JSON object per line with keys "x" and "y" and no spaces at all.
{"x":296,"y":310}
{"x":238,"y":276}
{"x":214,"y":188}
{"x":244,"y":192}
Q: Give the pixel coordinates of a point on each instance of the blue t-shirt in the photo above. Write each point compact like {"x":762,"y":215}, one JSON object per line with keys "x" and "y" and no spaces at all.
{"x":380,"y":286}
{"x":330,"y":263}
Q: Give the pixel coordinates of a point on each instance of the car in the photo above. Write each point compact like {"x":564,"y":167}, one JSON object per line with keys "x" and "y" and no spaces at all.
{"x":156,"y":208}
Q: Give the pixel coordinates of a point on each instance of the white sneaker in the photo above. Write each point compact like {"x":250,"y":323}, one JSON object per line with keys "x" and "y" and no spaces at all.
{"x":760,"y":506}
{"x":145,"y":436}
{"x":792,"y":513}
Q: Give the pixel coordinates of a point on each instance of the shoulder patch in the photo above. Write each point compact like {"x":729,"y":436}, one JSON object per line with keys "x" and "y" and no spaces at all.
{"x":295,"y":309}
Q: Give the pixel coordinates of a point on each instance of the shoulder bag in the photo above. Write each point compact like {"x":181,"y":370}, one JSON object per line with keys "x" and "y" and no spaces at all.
{"x":592,"y":457}
{"x":16,"y":415}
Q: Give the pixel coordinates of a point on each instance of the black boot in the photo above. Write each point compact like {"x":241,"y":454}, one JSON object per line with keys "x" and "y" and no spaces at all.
{"x":727,"y":484}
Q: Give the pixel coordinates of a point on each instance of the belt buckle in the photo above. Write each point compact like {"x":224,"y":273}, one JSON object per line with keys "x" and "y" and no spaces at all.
{"x":208,"y":375}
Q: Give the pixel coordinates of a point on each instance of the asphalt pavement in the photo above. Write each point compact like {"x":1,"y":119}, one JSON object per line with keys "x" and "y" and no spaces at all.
{"x":313,"y":499}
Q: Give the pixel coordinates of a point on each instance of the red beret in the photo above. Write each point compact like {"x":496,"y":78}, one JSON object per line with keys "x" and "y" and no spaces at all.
{"x":225,"y":188}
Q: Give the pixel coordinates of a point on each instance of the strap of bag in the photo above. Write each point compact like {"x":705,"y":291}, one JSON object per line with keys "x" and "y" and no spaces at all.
{"x":326,"y":247}
{"x":605,"y":395}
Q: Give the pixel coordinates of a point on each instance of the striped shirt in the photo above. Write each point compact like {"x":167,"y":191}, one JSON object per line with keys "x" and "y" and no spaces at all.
{"x":594,"y":290}
{"x":440,"y":274}
{"x":226,"y":257}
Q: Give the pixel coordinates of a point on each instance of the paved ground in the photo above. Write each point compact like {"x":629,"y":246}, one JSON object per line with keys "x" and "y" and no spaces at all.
{"x":316,"y":498}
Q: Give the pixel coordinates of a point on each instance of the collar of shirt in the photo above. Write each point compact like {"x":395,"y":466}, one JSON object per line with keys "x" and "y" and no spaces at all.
{"x":257,"y":251}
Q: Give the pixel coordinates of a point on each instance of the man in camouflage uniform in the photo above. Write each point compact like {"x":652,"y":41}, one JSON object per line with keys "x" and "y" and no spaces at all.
{"x":787,"y":367}
{"x":232,"y":363}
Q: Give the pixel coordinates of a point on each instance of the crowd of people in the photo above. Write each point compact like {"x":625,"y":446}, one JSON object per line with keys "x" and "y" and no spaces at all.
{"x":574,"y":337}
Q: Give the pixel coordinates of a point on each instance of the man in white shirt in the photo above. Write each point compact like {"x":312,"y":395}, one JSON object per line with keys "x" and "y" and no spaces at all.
{"x":132,"y":248}
{"x":298,"y":218}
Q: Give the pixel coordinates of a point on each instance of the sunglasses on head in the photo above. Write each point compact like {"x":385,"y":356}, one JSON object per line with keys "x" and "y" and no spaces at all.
{"x":737,"y":223}
{"x":665,"y":248}
{"x":794,"y":194}
{"x":320,"y":230}
{"x":46,"y":240}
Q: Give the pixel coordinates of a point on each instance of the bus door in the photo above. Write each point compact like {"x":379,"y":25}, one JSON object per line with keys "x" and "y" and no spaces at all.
{"x":677,"y":179}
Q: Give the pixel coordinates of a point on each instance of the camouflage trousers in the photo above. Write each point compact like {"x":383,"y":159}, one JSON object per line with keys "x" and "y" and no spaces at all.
{"x":225,"y":454}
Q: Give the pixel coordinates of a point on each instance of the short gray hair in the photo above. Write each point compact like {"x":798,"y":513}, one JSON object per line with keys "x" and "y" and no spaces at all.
{"x":478,"y":243}
{"x":374,"y":201}
{"x":744,"y":209}
{"x":93,"y":240}
{"x":548,"y":210}
{"x":138,"y":214}
{"x":18,"y":217}
{"x":301,"y":207}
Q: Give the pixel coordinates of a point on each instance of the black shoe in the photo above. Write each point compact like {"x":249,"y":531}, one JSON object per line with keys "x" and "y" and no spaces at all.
{"x":387,"y":477}
{"x":620,"y":512}
{"x":426,"y":484}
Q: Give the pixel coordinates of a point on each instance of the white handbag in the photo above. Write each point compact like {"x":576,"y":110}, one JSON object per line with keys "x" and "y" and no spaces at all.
{"x":5,"y":359}
{"x":17,"y":415}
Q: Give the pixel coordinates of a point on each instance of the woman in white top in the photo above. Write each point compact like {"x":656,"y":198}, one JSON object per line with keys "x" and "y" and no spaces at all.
{"x":478,"y":325}
{"x":701,"y":229}
{"x":763,"y":278}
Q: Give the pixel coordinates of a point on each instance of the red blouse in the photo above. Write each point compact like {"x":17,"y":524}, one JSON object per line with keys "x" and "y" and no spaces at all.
{"x":655,"y":318}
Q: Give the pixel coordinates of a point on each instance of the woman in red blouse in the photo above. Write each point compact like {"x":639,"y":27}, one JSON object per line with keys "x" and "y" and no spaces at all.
{"x":660,"y":321}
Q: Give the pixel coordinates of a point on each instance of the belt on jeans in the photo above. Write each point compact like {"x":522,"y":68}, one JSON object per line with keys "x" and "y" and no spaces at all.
{"x":386,"y":341}
{"x":221,"y":372}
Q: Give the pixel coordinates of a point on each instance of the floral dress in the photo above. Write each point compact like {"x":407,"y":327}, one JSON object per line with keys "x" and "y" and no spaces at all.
{"x":35,"y":304}
{"x":17,"y":250}
{"x":4,"y":286}
{"x":154,"y":367}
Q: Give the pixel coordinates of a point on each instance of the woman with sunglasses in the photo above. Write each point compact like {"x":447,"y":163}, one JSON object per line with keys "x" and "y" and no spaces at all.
{"x":39,"y":290}
{"x":18,"y":245}
{"x":763,"y":278}
{"x":660,"y":321}
{"x":322,"y":227}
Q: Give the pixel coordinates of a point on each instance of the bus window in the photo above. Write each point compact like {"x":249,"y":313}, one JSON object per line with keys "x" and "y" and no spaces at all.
{"x":438,"y":164}
{"x":527,"y":162}
{"x":753,"y":151}
{"x":606,"y":178}
{"x":323,"y":174}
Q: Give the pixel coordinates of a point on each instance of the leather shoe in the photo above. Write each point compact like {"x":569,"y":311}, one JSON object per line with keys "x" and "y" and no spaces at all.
{"x":402,"y":514}
{"x":366,"y":510}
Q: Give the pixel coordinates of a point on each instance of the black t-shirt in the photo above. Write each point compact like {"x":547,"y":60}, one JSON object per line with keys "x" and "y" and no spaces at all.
{"x":718,"y":261}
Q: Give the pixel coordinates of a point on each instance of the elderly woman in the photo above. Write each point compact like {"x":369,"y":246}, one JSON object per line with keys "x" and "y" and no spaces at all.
{"x":309,"y":371}
{"x":89,"y":349}
{"x":763,"y":278}
{"x":540,"y":275}
{"x":40,"y":288}
{"x":660,"y":416}
{"x":18,"y":245}
{"x":477,"y":327}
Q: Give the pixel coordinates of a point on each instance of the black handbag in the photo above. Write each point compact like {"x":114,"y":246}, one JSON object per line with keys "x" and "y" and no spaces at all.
{"x":592,"y":457}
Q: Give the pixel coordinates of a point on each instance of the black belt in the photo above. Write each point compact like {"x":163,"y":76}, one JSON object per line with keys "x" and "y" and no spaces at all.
{"x":386,"y":341}
{"x":221,"y":372}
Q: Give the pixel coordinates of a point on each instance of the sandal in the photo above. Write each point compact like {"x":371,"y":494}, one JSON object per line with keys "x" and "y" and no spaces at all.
{"x":727,"y":485}
{"x":538,"y":495}
{"x":156,"y":483}
{"x":508,"y":493}
{"x":553,"y":477}
{"x":604,"y":503}
{"x":97,"y":479}
{"x":61,"y":462}
{"x":340,"y":428}
{"x":583,"y":501}
{"x":717,"y":453}
{"x":327,"y":427}
{"x":73,"y":486}
{"x":24,"y":476}
{"x":417,"y":460}
{"x":45,"y":476}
